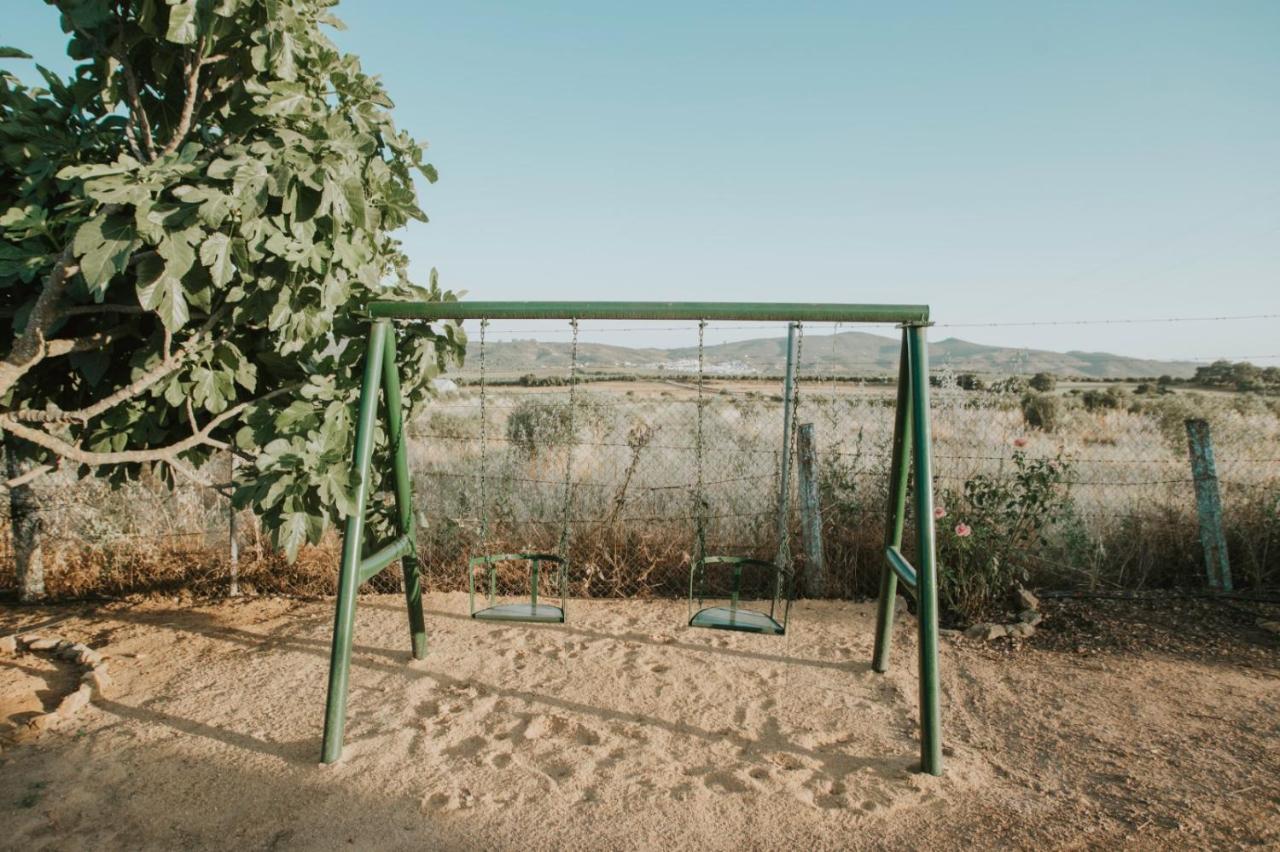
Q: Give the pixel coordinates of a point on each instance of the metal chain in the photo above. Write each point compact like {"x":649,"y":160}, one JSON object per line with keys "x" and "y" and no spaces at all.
{"x":568,"y":455}
{"x":484,"y":448}
{"x":784,"y":543}
{"x":700,"y":502}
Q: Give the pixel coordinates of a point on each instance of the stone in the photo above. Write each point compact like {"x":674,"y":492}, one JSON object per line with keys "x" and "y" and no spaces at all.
{"x":1025,"y":599}
{"x":98,"y":680}
{"x":1021,"y":630}
{"x":900,"y":605}
{"x":43,"y":644}
{"x":75,"y":702}
{"x":1030,"y":616}
{"x":43,"y":722}
{"x":1269,"y":626}
{"x":85,"y":656}
{"x":986,"y":632}
{"x":27,"y":638}
{"x":8,"y":645}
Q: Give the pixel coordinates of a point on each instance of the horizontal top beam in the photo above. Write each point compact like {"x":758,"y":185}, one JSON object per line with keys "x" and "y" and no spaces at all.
{"x":724,"y":311}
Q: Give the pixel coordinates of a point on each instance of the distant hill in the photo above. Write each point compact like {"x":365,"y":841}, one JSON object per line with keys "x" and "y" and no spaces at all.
{"x":847,"y":353}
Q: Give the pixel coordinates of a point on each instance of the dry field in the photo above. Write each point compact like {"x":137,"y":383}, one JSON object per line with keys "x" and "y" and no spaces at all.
{"x":1119,"y":725}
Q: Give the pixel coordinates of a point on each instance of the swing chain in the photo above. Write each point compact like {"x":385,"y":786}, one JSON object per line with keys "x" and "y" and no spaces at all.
{"x":700,"y":500}
{"x":572,"y":437}
{"x":484,"y":448}
{"x":784,"y":533}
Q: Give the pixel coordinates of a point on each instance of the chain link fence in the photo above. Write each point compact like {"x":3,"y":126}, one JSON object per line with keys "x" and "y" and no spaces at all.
{"x":1084,"y":485}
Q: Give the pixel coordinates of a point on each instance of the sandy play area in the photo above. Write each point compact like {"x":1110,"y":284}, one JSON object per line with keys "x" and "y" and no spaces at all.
{"x":625,"y":730}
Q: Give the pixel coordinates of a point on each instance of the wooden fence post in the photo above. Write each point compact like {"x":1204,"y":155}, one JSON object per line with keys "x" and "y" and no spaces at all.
{"x":815,"y":572}
{"x":234,"y":590}
{"x":1208,"y":505}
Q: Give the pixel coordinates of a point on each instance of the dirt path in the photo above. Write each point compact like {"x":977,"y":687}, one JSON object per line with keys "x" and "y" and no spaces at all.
{"x":625,"y":730}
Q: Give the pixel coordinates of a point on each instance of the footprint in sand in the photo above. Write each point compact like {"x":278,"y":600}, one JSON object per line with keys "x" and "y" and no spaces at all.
{"x":452,"y":801}
{"x":724,"y":781}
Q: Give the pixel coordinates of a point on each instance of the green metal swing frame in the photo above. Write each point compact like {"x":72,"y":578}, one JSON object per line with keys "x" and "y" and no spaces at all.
{"x":911,"y":454}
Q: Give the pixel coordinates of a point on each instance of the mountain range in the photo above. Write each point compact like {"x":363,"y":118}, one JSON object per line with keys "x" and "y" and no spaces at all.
{"x":845,"y":353}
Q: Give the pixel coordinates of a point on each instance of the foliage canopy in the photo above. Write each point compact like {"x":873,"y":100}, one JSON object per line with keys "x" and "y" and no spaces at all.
{"x":189,"y":228}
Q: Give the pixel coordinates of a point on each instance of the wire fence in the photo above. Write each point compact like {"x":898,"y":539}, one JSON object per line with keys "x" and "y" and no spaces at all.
{"x":1110,"y":461}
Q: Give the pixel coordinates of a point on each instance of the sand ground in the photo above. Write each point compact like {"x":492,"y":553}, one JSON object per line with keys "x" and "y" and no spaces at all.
{"x":625,"y":730}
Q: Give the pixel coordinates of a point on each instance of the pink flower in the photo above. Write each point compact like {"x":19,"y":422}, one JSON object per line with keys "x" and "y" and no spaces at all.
{"x":963,"y":530}
{"x":939,"y":513}
{"x":1020,"y":442}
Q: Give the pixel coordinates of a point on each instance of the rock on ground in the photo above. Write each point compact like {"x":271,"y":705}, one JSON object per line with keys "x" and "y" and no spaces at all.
{"x":986,"y":632}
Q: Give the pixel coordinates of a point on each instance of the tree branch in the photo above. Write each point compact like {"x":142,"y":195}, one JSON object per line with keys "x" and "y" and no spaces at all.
{"x":98,"y":340}
{"x":83,"y":310}
{"x":30,"y":476}
{"x":30,"y":347}
{"x":169,"y":454}
{"x":191,"y":66}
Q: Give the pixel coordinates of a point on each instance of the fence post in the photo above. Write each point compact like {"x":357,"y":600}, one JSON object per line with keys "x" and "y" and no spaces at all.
{"x":1208,"y":505}
{"x":815,"y":572}
{"x":234,"y":591}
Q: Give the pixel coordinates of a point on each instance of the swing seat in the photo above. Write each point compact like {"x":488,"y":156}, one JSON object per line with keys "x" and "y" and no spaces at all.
{"x":531,"y":610}
{"x":541,"y":613}
{"x":735,"y":617}
{"x":744,"y":620}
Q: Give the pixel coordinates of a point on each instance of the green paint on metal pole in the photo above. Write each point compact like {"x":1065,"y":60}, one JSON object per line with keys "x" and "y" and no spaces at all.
{"x":1204,"y":474}
{"x":899,"y":475}
{"x":926,"y":571}
{"x":405,"y":522}
{"x":717,"y":311}
{"x":335,"y":714}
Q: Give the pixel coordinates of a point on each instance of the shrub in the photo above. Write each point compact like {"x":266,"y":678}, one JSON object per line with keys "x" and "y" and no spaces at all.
{"x":996,"y":522}
{"x":1043,"y":382}
{"x":1040,"y":411}
{"x":1110,"y":398}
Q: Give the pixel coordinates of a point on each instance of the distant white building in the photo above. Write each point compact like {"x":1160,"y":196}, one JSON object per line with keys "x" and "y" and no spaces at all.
{"x":443,"y":386}
{"x":723,"y":368}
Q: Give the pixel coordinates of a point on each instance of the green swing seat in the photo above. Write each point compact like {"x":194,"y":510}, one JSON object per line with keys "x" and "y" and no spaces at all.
{"x":531,"y":610}
{"x":734,"y":616}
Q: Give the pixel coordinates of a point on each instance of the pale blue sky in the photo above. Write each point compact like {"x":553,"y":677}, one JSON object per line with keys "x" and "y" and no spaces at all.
{"x":1001,"y":161}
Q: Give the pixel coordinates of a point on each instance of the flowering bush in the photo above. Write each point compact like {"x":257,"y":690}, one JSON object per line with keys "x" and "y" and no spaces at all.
{"x":999,"y":521}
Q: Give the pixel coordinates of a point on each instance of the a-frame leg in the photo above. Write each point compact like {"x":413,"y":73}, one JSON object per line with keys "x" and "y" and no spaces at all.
{"x":926,"y":570}
{"x":899,"y":474}
{"x":335,"y":715}
{"x":405,"y":524}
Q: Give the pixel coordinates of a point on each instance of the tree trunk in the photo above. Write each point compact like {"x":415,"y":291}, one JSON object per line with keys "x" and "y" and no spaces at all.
{"x":25,"y":529}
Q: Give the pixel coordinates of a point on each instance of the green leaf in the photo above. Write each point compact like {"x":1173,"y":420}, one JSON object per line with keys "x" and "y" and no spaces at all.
{"x":215,"y":253}
{"x":353,"y":189}
{"x":182,"y":23}
{"x":161,"y":291}
{"x":13,"y":53}
{"x":292,"y":534}
{"x":286,"y":98}
{"x":178,"y":254}
{"x":104,"y":245}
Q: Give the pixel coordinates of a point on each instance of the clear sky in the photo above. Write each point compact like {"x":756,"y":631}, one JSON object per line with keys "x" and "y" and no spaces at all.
{"x":1001,"y":161}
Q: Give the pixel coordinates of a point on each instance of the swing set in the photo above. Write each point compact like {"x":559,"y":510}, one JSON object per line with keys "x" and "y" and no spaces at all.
{"x":911,"y":450}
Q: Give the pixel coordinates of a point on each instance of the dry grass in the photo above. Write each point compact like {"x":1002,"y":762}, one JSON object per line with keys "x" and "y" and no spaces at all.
{"x":1131,"y":519}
